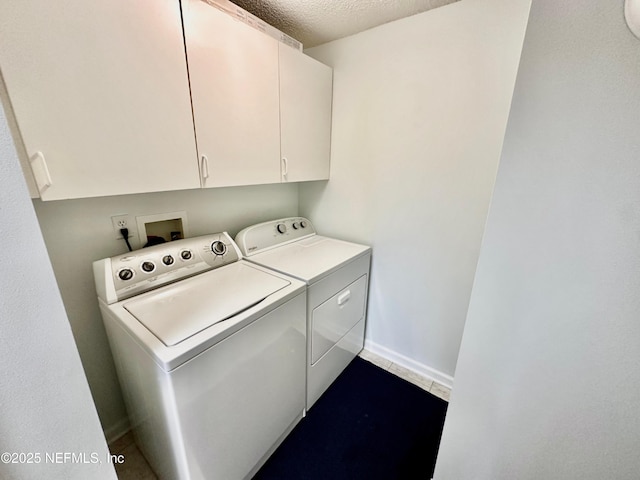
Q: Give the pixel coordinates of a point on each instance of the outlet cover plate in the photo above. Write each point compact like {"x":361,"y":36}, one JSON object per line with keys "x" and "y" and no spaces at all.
{"x":123,"y":221}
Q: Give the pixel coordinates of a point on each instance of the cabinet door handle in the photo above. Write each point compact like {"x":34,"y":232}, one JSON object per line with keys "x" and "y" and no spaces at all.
{"x":40,"y":171}
{"x":204,"y":168}
{"x":344,"y":298}
{"x":285,"y":167}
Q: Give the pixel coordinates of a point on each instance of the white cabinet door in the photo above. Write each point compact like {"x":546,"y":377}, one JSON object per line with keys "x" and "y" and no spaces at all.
{"x":100,"y":88}
{"x":233,"y":70}
{"x":305,"y":116}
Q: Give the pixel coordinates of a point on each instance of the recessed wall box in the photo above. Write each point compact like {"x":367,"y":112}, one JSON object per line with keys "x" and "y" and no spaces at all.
{"x":162,"y":227}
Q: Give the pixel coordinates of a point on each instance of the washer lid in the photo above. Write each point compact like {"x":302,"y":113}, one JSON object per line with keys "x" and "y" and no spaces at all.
{"x":312,"y":258}
{"x":176,"y":312}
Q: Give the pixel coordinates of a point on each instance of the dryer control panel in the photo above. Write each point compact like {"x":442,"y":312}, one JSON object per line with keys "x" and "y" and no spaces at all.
{"x":263,"y":236}
{"x":132,"y":273}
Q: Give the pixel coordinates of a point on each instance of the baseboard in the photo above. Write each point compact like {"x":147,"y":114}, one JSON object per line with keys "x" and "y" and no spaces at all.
{"x":114,"y":432}
{"x":406,"y":362}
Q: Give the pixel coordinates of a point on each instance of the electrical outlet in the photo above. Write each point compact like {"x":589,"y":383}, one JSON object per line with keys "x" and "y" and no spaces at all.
{"x":123,"y":221}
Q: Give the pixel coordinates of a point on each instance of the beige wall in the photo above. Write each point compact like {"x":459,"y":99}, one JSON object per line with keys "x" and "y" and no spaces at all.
{"x":45,"y":403}
{"x":548,"y":379}
{"x":419,"y":111}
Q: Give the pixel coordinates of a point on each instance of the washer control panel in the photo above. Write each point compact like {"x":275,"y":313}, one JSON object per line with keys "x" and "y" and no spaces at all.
{"x":263,"y":236}
{"x":136,"y":272}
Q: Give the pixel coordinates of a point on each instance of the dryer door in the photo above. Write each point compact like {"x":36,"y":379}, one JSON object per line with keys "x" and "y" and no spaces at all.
{"x":335,"y":317}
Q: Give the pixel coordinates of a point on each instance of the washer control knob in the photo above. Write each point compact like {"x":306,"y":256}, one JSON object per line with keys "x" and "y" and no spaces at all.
{"x":218,"y":248}
{"x":281,"y":227}
{"x":186,"y":254}
{"x":125,"y":274}
{"x":168,"y":260}
{"x":295,"y":225}
{"x":148,"y":266}
{"x":303,"y":224}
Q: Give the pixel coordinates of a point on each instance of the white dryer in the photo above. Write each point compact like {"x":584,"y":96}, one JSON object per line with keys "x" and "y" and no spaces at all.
{"x":337,"y":275}
{"x":210,"y":353}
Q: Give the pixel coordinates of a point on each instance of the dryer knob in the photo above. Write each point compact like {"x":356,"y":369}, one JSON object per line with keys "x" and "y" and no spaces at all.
{"x":303,"y":224}
{"x":218,"y":248}
{"x":148,"y":266}
{"x":186,"y":254}
{"x":295,"y":225}
{"x":167,"y":260}
{"x":125,"y":274}
{"x":281,"y":227}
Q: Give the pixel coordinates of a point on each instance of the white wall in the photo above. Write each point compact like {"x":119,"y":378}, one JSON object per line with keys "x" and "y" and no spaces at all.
{"x":548,"y":379}
{"x":45,"y":403}
{"x":419,"y":111}
{"x":77,"y":232}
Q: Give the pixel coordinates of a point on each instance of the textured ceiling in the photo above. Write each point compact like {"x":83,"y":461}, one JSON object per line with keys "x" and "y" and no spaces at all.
{"x":314,"y":22}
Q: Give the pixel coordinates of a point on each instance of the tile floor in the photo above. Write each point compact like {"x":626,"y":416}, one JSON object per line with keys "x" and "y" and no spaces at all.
{"x":427,"y":384}
{"x":135,"y":467}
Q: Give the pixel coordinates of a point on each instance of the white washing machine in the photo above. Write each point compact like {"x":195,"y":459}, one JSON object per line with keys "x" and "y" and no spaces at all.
{"x":210,"y":353}
{"x":337,"y":275}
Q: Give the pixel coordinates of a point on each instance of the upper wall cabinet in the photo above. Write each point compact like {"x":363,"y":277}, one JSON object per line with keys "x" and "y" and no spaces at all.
{"x":100,"y":93}
{"x":233,"y":71}
{"x":305,"y":116}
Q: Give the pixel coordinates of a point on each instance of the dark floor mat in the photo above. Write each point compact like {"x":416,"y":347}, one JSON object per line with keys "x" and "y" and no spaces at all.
{"x":369,"y":425}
